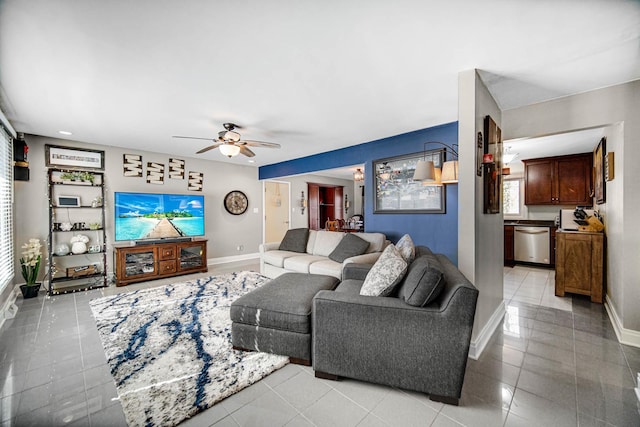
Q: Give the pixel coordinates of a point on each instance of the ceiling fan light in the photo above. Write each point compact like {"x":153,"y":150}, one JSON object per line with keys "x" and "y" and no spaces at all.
{"x":230,"y":150}
{"x":425,"y":171}
{"x":450,"y":172}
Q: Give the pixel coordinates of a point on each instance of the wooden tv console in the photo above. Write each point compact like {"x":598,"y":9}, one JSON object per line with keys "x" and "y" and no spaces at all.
{"x":141,"y":262}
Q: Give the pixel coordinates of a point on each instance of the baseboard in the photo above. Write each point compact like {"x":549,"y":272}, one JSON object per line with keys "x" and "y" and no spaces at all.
{"x":9,"y":309}
{"x":495,"y":321}
{"x":235,"y":258}
{"x":625,"y":336}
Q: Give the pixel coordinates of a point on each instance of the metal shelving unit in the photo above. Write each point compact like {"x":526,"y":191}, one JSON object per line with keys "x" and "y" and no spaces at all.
{"x":94,"y":262}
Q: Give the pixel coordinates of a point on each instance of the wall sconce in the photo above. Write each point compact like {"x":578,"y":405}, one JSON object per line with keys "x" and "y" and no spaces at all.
{"x":347,"y":204}
{"x":358,"y":175}
{"x":425,"y":169}
{"x":303,"y":203}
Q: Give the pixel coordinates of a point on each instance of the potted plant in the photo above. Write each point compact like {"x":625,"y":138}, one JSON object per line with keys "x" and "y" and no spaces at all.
{"x":30,"y":263}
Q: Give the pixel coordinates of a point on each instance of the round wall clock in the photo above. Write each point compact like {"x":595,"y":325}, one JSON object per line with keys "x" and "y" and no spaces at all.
{"x":236,"y":202}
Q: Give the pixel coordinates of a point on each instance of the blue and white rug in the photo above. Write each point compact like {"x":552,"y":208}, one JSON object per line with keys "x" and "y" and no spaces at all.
{"x":169,"y":348}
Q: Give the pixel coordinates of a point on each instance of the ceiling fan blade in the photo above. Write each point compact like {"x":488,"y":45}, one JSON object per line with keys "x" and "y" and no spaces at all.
{"x":259,"y":144}
{"x":211,"y":147}
{"x":244,"y":150}
{"x":193,"y":137}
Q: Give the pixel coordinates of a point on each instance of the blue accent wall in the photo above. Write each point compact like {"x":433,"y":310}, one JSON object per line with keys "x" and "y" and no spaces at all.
{"x":437,"y":231}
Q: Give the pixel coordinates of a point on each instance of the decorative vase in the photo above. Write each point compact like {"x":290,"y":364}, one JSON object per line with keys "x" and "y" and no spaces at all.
{"x":30,"y":291}
{"x":62,"y":249}
{"x":79,"y":247}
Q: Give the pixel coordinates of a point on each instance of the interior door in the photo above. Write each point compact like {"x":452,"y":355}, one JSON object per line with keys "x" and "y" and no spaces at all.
{"x":276,"y":210}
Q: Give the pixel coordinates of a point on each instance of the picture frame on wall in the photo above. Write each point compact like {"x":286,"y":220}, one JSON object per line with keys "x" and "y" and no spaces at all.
{"x":492,"y":162}
{"x":395,"y":191}
{"x":70,"y":157}
{"x":599,"y":174}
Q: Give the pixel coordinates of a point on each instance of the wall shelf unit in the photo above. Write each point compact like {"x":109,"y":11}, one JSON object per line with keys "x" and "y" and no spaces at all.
{"x":73,"y":206}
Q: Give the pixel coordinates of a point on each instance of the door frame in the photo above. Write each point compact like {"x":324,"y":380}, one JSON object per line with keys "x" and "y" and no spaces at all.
{"x":264,"y":204}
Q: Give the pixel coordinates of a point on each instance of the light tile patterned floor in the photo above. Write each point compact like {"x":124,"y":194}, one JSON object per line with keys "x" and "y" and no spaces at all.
{"x":555,"y":362}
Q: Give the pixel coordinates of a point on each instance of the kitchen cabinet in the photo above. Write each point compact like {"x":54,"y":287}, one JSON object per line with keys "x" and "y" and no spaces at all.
{"x":579,"y":264}
{"x":562,"y":180}
{"x":156,"y":260}
{"x":508,"y":245}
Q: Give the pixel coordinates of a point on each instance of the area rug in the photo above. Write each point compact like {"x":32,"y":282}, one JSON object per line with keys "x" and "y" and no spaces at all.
{"x":169,"y":348}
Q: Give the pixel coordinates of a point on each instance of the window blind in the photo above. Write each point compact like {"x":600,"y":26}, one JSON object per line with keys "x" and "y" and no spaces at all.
{"x":6,"y":209}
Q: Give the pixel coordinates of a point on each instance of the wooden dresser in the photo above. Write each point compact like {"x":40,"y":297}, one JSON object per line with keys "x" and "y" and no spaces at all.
{"x":579,"y":264}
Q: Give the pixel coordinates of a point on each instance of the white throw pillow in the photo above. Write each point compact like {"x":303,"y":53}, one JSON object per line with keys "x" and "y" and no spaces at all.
{"x":385,"y":274}
{"x":406,"y":248}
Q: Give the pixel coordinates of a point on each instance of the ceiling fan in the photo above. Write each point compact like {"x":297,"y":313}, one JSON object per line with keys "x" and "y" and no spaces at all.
{"x":230,"y":143}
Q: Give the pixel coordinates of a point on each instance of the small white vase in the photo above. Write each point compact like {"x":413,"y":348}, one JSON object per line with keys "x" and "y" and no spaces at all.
{"x":79,"y":247}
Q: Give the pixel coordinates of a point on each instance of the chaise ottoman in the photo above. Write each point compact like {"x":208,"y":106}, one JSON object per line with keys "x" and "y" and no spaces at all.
{"x":276,"y":318}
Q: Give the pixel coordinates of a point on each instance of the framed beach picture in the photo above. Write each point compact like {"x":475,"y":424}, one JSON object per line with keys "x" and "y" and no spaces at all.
{"x":69,"y":157}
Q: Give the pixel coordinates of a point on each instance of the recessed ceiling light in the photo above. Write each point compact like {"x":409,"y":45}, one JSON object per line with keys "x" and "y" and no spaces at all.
{"x":65,"y":132}
{"x":251,"y":161}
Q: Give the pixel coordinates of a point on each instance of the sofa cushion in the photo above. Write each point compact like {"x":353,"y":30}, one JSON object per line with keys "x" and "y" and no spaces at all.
{"x":312,"y":241}
{"x":350,"y":245}
{"x":301,"y":263}
{"x":295,"y":240}
{"x":406,"y":248}
{"x":376,"y":241}
{"x":326,"y":242}
{"x":385,"y":274}
{"x":277,"y":257}
{"x":327,"y":267}
{"x":424,"y":281}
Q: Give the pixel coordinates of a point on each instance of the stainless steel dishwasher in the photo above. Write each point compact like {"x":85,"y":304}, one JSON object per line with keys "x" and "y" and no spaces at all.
{"x":532,"y":244}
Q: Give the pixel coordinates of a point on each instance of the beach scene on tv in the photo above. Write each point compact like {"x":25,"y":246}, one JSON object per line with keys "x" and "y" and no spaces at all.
{"x":158,"y":216}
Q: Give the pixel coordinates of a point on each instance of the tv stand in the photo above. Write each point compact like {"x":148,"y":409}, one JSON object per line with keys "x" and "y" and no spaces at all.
{"x":150,"y":260}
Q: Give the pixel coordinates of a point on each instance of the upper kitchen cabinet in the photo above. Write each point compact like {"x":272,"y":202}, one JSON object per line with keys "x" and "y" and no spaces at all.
{"x":562,"y":180}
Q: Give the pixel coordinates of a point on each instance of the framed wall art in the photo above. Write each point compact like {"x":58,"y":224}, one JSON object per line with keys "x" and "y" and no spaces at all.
{"x":69,"y":157}
{"x":395,"y":191}
{"x":176,"y":168}
{"x":195,"y":181}
{"x":492,"y":165}
{"x":132,"y":165}
{"x":155,"y":173}
{"x":599,"y":178}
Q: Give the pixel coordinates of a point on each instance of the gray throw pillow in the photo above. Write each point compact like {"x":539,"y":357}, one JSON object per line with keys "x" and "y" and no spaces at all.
{"x":424,"y":281}
{"x":406,"y":248}
{"x":350,"y":245}
{"x":295,"y":240}
{"x":385,"y":274}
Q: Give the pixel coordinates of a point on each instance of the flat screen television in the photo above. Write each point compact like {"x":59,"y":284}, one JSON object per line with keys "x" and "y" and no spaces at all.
{"x":140,"y":216}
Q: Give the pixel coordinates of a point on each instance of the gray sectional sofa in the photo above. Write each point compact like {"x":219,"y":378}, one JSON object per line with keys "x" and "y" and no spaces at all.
{"x":385,"y":340}
{"x":417,"y":338}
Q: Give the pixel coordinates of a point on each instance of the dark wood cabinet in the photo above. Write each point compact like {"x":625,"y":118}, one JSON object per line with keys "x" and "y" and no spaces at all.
{"x":508,"y":245}
{"x":325,"y":203}
{"x":157,"y":260}
{"x":562,"y":180}
{"x":579,"y":264}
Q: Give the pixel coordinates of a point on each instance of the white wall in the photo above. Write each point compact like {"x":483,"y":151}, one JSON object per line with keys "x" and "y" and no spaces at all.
{"x":480,"y":235}
{"x":616,"y":107}
{"x":225,"y":231}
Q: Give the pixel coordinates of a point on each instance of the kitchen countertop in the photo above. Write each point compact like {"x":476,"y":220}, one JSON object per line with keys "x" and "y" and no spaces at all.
{"x":531,"y":222}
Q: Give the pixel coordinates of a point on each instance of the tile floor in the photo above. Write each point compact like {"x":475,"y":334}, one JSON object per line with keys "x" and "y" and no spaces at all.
{"x":555,"y":362}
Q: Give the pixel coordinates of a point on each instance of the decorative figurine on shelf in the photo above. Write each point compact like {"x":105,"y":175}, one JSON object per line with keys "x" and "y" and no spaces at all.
{"x":66,"y":226}
{"x":79,"y":243}
{"x":97,"y":202}
{"x":62,"y":249}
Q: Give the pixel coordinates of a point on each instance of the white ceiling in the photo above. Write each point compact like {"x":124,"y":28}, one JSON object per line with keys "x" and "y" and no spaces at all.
{"x":311,"y":75}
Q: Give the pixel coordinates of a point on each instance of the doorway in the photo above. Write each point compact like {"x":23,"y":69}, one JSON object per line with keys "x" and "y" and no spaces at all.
{"x":276,"y":206}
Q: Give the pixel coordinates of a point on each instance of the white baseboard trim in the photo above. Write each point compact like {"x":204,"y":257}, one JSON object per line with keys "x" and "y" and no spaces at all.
{"x":9,"y":309}
{"x":228,"y":259}
{"x":495,"y":321}
{"x":625,"y":336}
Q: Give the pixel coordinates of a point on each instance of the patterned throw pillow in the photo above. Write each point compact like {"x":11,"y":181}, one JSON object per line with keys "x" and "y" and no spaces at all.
{"x":406,"y":248}
{"x":385,"y":274}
